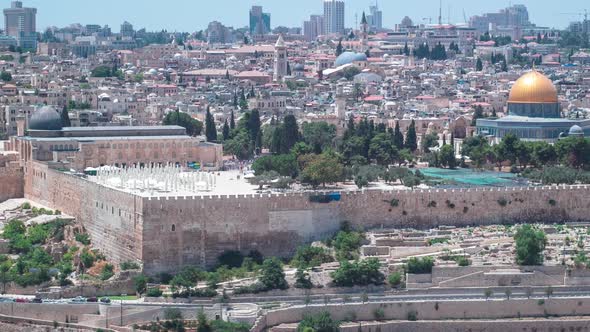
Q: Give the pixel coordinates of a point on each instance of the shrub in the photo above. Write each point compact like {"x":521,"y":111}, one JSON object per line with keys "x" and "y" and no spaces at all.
{"x":530,"y":243}
{"x":438,"y":240}
{"x":129,"y":266}
{"x":308,"y":256}
{"x":412,"y":316}
{"x":154,"y":292}
{"x":347,"y":244}
{"x":26,"y":206}
{"x":420,"y":265}
{"x":83,"y":238}
{"x":379,"y":314}
{"x":462,"y":261}
{"x":302,"y":279}
{"x":223,"y":326}
{"x":321,"y":322}
{"x":273,"y":276}
{"x":394,"y":202}
{"x":502,"y":202}
{"x":552,"y":202}
{"x":87,"y":259}
{"x":395,"y":279}
{"x":359,"y":273}
{"x":200,"y":292}
{"x":252,"y":289}
{"x":107,"y":272}
{"x":431,"y":204}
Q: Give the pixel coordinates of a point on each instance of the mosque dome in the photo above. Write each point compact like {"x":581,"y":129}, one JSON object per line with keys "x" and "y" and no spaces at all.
{"x":349,"y":57}
{"x":533,"y":87}
{"x":576,"y":130}
{"x":46,"y":118}
{"x":299,"y":67}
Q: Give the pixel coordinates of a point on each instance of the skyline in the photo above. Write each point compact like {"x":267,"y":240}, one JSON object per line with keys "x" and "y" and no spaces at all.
{"x":189,"y":17}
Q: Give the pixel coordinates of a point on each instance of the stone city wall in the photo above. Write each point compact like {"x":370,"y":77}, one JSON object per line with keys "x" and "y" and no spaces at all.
{"x":537,"y":325}
{"x":180,"y":231}
{"x":168,"y":233}
{"x":435,"y":310}
{"x":11,"y":178}
{"x":112,"y":218}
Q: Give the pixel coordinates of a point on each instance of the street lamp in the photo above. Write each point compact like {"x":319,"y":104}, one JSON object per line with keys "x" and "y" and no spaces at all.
{"x":122,"y":296}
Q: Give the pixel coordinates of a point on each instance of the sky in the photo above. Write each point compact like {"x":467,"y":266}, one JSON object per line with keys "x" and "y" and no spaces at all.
{"x":193,"y":15}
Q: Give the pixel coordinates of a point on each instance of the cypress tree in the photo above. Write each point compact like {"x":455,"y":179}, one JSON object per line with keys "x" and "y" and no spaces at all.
{"x":453,"y":140}
{"x":232,"y":121}
{"x":444,"y":140}
{"x":290,"y":133}
{"x":254,"y":127}
{"x":479,"y":65}
{"x":398,"y":137}
{"x":65,"y":117}
{"x":411,"y":138}
{"x":225,"y":130}
{"x":210,"y":130}
{"x":339,"y":48}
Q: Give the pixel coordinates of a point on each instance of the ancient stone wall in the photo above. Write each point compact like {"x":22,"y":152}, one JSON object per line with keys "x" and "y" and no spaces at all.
{"x":432,"y":310}
{"x":11,"y":178}
{"x":169,"y":233}
{"x":111,"y":217}
{"x":180,"y":231}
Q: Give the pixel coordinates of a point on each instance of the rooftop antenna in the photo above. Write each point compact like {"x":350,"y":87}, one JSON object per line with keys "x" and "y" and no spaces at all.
{"x":440,"y":13}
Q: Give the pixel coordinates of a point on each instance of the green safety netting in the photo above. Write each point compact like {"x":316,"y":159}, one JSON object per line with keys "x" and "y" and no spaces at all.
{"x":472,"y":177}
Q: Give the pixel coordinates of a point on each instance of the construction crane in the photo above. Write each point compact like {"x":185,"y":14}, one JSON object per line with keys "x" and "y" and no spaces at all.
{"x":583,"y":14}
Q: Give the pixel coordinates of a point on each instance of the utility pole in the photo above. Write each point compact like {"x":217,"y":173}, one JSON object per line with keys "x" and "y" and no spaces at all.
{"x":122,"y":297}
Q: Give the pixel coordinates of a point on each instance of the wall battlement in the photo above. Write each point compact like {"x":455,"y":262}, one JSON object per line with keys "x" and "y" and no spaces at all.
{"x":362,"y":192}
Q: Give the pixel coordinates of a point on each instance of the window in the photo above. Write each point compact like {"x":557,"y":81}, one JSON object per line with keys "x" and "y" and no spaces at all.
{"x":173,"y":228}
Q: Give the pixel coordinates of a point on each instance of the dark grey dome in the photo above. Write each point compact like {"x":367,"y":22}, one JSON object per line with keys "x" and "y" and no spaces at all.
{"x":45,"y":118}
{"x":576,"y":130}
{"x":299,"y":67}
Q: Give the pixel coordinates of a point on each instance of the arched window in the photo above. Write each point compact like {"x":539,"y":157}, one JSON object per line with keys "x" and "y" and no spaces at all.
{"x":173,"y":228}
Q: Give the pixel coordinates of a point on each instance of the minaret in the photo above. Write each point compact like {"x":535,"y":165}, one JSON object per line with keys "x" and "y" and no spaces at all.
{"x":280,"y":68}
{"x":364,"y":31}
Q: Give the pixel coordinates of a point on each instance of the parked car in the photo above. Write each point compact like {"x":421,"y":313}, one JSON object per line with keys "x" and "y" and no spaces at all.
{"x":105,"y":300}
{"x":37,"y":300}
{"x":79,"y":299}
{"x":21,"y":300}
{"x":92,"y":299}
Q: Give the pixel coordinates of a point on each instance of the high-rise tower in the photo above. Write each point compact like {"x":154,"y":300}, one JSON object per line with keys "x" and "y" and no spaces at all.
{"x":21,"y":23}
{"x":259,"y":21}
{"x":334,"y":16}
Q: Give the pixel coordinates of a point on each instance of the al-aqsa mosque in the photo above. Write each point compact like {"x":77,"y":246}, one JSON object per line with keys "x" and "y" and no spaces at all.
{"x":533,"y":113}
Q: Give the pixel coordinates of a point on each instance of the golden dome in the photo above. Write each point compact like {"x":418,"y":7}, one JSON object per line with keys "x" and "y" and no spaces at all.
{"x":533,"y":88}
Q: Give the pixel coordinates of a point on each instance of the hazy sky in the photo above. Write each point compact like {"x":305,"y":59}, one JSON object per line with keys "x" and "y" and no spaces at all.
{"x":192,"y":15}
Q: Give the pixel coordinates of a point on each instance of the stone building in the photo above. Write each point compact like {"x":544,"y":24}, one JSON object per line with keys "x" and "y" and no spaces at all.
{"x":80,"y":147}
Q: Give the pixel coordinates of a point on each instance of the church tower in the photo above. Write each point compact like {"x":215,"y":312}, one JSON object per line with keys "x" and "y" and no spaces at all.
{"x":364,"y":31}
{"x":280,"y":67}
